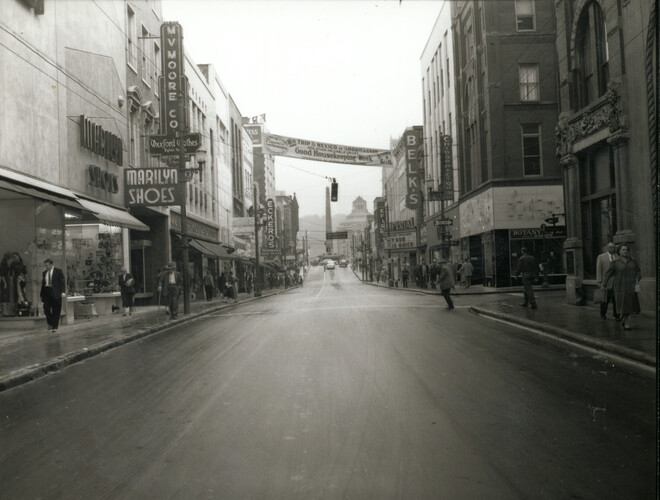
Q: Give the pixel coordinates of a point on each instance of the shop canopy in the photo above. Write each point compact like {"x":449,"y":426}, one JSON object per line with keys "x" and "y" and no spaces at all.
{"x":42,"y":195}
{"x":212,"y":249}
{"x":112,"y":216}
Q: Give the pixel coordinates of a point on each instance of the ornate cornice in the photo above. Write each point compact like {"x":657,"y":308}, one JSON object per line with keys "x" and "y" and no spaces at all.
{"x":608,"y":114}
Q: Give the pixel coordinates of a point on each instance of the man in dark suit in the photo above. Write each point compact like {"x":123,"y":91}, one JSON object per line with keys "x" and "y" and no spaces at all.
{"x":172,"y":281}
{"x":52,"y":288}
{"x":603,"y":263}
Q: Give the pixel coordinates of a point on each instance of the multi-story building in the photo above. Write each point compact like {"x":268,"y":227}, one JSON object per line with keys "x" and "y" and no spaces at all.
{"x":401,"y":244}
{"x":287,"y":226}
{"x":607,"y":135}
{"x":264,"y":163}
{"x":236,"y":147}
{"x":437,"y":66}
{"x":65,"y":199}
{"x":354,"y":225}
{"x":510,"y":181}
{"x":63,"y":148}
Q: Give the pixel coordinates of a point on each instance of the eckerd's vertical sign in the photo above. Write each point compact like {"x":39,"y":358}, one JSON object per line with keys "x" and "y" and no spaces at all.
{"x":412,"y":138}
{"x":173,"y":82}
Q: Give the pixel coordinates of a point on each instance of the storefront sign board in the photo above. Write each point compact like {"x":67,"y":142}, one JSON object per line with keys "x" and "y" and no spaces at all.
{"x":173,"y":116}
{"x":400,"y":241}
{"x":412,"y":138}
{"x":151,"y":187}
{"x":242,"y":225}
{"x":446,"y":168}
{"x":171,"y":145}
{"x":270,"y":242}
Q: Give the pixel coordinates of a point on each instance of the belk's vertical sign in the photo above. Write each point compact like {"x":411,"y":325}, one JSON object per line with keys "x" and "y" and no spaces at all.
{"x":412,"y":139}
{"x":173,"y":92}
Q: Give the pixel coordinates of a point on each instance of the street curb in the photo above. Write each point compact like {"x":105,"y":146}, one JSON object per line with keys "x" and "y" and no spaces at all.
{"x":460,"y":292}
{"x":36,"y":371}
{"x":601,"y":345}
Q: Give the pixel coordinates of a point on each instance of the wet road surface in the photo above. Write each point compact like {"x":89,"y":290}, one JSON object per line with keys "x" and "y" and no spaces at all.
{"x":333,"y":390}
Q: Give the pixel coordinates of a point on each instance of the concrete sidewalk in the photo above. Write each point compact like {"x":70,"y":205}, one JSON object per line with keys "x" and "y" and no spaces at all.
{"x":29,"y":354}
{"x":580,"y":325}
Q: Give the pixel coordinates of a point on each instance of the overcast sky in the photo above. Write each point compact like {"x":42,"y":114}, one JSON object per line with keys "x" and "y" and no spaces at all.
{"x":345,"y":72}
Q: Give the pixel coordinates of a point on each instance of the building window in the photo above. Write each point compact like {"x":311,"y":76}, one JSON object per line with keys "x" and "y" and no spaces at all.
{"x":132,"y":38}
{"x":156,"y":68}
{"x":528,"y":76}
{"x":525,"y":15}
{"x":531,"y":146}
{"x":448,"y":75}
{"x":145,"y":56}
{"x":592,"y":55}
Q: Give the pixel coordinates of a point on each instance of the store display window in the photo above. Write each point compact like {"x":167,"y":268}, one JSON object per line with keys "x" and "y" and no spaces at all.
{"x":31,"y":230}
{"x":94,"y":257}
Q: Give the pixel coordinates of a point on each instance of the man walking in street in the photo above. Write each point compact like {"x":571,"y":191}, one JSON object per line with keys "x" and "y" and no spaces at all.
{"x":404,"y":277}
{"x":172,"y":281}
{"x":52,"y":288}
{"x":433,"y":273}
{"x":603,"y":263}
{"x":529,"y":269}
{"x":446,"y":282}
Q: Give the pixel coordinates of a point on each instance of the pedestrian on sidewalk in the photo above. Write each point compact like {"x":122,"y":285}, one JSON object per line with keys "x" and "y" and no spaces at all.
{"x":222,"y":286}
{"x":626,"y":275}
{"x":529,"y":269}
{"x":208,"y":285}
{"x":231,"y":286}
{"x":172,"y":281}
{"x":52,"y":288}
{"x":466,"y":272}
{"x":404,"y":276}
{"x":127,"y":289}
{"x":446,"y":282}
{"x":433,"y":274}
{"x":603,"y":262}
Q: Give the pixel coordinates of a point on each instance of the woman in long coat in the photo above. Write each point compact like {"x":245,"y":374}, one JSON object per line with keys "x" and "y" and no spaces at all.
{"x":626,"y":275}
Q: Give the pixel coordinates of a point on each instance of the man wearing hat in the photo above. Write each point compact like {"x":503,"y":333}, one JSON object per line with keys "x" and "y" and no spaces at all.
{"x":171,"y":281}
{"x":446,"y":282}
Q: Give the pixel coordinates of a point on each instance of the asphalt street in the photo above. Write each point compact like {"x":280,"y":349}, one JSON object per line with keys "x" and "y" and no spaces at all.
{"x":333,"y":390}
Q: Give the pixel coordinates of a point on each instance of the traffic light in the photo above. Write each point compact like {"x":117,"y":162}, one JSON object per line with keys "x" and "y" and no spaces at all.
{"x":333,"y":190}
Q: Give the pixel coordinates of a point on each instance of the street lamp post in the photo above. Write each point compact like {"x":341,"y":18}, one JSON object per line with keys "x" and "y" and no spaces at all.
{"x":257,"y":287}
{"x":184,"y":226}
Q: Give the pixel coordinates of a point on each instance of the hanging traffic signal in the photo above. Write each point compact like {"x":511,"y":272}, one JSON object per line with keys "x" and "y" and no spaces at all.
{"x":333,"y":190}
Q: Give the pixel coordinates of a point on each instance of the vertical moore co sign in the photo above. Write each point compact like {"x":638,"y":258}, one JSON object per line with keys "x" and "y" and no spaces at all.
{"x":172,"y":112}
{"x":412,"y":138}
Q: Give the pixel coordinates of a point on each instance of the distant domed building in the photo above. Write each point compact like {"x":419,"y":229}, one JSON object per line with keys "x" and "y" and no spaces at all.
{"x":354,"y":225}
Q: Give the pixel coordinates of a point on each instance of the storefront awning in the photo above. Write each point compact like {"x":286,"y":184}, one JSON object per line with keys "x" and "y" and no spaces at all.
{"x":212,"y":249}
{"x":42,"y":195}
{"x":113,"y":216}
